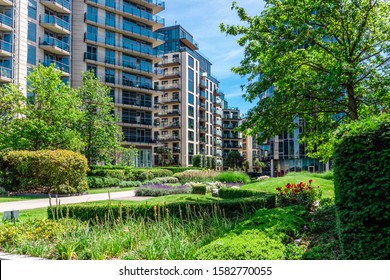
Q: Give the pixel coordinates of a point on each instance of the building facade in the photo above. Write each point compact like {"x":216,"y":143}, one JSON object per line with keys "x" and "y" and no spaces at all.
{"x":189,"y":120}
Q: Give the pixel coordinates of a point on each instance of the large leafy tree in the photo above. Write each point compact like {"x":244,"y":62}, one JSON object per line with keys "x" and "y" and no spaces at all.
{"x":99,"y":130}
{"x":323,"y":63}
{"x":234,"y":160}
{"x":47,"y":119}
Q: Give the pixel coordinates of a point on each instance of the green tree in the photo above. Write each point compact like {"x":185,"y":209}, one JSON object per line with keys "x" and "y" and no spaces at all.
{"x":164,"y":155}
{"x":234,"y":160}
{"x":99,"y":130}
{"x":326,"y":61}
{"x":259,"y":165}
{"x":47,"y":120}
{"x":247,"y":163}
{"x":197,"y":160}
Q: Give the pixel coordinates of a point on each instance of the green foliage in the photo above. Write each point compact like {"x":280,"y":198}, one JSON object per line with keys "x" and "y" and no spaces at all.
{"x":199,"y":190}
{"x":232,"y":177}
{"x":196,"y":176}
{"x":231,"y":209}
{"x":95,"y":182}
{"x":250,"y":245}
{"x":58,"y":171}
{"x":164,"y":156}
{"x":259,"y":165}
{"x":126,"y":156}
{"x":298,"y":194}
{"x":362,"y":176}
{"x":177,"y":169}
{"x":112,"y":173}
{"x":161,"y":190}
{"x":98,"y":129}
{"x":197,"y":160}
{"x":129,"y":184}
{"x":149,"y":174}
{"x":233,"y":160}
{"x":165,"y":180}
{"x":231,"y":193}
{"x":322,"y":64}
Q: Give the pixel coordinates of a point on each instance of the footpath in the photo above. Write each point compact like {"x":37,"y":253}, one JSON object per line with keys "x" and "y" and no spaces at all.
{"x":45,"y":202}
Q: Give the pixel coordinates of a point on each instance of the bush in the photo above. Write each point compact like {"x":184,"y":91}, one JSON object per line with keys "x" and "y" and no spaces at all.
{"x":129,"y":184}
{"x":57,"y":171}
{"x":231,"y":209}
{"x":233,"y":177}
{"x":95,"y":182}
{"x":250,"y":245}
{"x":199,"y":189}
{"x":110,"y":173}
{"x":161,"y":190}
{"x":177,"y":169}
{"x":230,"y":193}
{"x":166,"y":180}
{"x":196,"y":176}
{"x":362,"y":192}
{"x":3,"y":191}
{"x":298,"y":194}
{"x":197,"y":160}
{"x":149,"y":174}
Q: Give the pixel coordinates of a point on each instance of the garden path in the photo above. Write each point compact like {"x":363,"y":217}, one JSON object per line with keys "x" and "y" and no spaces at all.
{"x":40,"y":203}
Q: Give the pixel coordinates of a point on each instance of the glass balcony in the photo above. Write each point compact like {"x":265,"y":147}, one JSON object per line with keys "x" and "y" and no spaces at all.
{"x":6,"y":2}
{"x":57,"y":64}
{"x":54,"y":45}
{"x":5,"y":75}
{"x":6,"y":23}
{"x":155,"y":5}
{"x":5,"y":48}
{"x":60,"y":6}
{"x":55,"y":24}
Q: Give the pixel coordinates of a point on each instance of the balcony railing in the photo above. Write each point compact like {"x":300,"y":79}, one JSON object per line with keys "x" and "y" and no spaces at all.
{"x":169,"y":137}
{"x":5,"y":72}
{"x":170,"y":61}
{"x":229,"y":126}
{"x":6,"y":20}
{"x":203,"y":94}
{"x":5,"y":46}
{"x":167,"y":113}
{"x":136,"y":121}
{"x":135,"y":139}
{"x":176,"y":150}
{"x":57,"y":64}
{"x":218,"y":133}
{"x":147,"y":104}
{"x":170,"y":124}
{"x":49,"y":19}
{"x":232,"y":146}
{"x":63,"y":3}
{"x":168,"y":100}
{"x":51,"y":41}
{"x":169,"y":86}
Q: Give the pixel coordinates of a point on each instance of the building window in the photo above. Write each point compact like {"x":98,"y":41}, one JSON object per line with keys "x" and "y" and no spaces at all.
{"x":190,"y":98}
{"x":32,"y":32}
{"x":110,"y":38}
{"x":190,"y":123}
{"x":92,"y":33}
{"x":109,"y":76}
{"x":31,"y":55}
{"x":190,"y":111}
{"x":110,"y":19}
{"x":190,"y":80}
{"x":92,"y":13}
{"x":92,"y":68}
{"x":32,"y":9}
{"x":191,"y":61}
{"x":110,"y":56}
{"x":190,"y":135}
{"x":91,"y":52}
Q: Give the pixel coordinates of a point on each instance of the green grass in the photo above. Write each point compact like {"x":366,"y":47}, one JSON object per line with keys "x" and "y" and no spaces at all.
{"x":17,"y":198}
{"x":105,"y":190}
{"x":39,"y":213}
{"x":270,"y":185}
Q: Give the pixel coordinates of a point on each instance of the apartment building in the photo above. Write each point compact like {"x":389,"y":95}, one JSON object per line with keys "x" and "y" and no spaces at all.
{"x":232,"y":140}
{"x":252,"y":151}
{"x":115,"y":39}
{"x":189,"y":120}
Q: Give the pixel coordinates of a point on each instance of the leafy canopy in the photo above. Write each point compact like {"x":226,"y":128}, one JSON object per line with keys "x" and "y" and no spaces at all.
{"x":322,"y":62}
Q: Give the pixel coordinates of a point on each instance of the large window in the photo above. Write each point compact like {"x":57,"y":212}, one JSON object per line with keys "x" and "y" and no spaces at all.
{"x":110,"y":19}
{"x":190,"y":111}
{"x":92,"y":13}
{"x":190,"y":98}
{"x":110,"y":56}
{"x":31,"y":55}
{"x":191,"y":61}
{"x":92,"y":33}
{"x":190,"y":80}
{"x":91,"y":52}
{"x":110,"y":38}
{"x":32,"y":32}
{"x":110,"y":76}
{"x":32,"y":9}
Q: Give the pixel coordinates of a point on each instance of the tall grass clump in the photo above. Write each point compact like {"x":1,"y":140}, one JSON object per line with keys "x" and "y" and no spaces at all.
{"x":196,"y":176}
{"x":233,"y":177}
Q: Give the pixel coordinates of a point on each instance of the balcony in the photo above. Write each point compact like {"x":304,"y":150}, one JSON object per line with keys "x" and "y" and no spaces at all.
{"x":202,"y":140}
{"x":218,"y":153}
{"x":218,"y":123}
{"x":218,"y":112}
{"x":231,"y":117}
{"x":54,"y":45}
{"x":232,"y":136}
{"x":58,"y":65}
{"x":170,"y":62}
{"x":168,"y":125}
{"x":173,"y":137}
{"x":6,"y":23}
{"x":5,"y":75}
{"x":139,"y":140}
{"x":202,"y":106}
{"x":232,"y":146}
{"x":137,"y":121}
{"x":7,"y":3}
{"x":60,"y":6}
{"x":170,"y":87}
{"x":230,"y":126}
{"x":218,"y":133}
{"x":54,"y":24}
{"x":187,"y":40}
{"x":5,"y":49}
{"x":218,"y":92}
{"x":217,"y":102}
{"x":202,"y":118}
{"x":171,"y":74}
{"x":202,"y":84}
{"x":176,"y":150}
{"x":218,"y":143}
{"x":169,"y":113}
{"x":155,"y":5}
{"x":203,"y":129}
{"x":175,"y":99}
{"x":203,"y":95}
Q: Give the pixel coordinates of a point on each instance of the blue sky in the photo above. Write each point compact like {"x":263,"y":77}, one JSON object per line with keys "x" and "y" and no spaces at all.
{"x":201,"y":18}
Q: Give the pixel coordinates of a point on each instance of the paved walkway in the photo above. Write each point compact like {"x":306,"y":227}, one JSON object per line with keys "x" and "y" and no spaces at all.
{"x":40,"y":203}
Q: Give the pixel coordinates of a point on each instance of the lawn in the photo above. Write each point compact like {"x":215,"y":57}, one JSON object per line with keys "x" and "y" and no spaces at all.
{"x":270,"y":185}
{"x":111,"y":190}
{"x":17,"y":198}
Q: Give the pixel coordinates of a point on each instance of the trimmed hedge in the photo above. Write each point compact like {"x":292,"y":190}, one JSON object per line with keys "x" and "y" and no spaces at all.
{"x":362,"y":191}
{"x":230,"y":193}
{"x":229,"y":208}
{"x":199,"y":190}
{"x":233,"y":177}
{"x":95,"y":182}
{"x":109,"y":173}
{"x":51,"y":171}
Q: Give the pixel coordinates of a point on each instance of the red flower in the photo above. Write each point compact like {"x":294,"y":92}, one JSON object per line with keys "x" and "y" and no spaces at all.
{"x":310,"y":181}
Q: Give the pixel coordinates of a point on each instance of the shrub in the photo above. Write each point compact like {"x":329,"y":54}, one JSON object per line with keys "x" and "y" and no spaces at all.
{"x":362,"y":192}
{"x":110,"y":173}
{"x":231,"y":209}
{"x":149,"y":174}
{"x":230,"y":193}
{"x":199,"y":189}
{"x":57,"y":171}
{"x":129,"y":184}
{"x":197,"y":160}
{"x":233,"y":177}
{"x":196,"y":176}
{"x":165,"y":180}
{"x":298,"y":194}
{"x":95,"y":182}
{"x":250,"y":245}
{"x":177,"y":169}
{"x":161,"y":190}
{"x":3,"y":191}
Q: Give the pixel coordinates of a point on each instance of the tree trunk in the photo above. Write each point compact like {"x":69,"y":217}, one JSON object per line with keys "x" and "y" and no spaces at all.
{"x":352,"y":102}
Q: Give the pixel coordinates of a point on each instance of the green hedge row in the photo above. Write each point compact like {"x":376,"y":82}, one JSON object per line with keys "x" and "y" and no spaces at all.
{"x":230,"y":193}
{"x":102,"y":182}
{"x":230,"y":208}
{"x":50,"y":171}
{"x":362,"y":190}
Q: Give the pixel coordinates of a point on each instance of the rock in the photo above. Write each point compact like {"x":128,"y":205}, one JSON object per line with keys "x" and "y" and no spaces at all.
{"x":214,"y":192}
{"x":298,"y":241}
